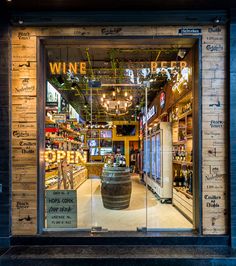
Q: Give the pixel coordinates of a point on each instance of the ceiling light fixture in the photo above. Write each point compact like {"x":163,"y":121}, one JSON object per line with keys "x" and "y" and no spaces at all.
{"x":116,"y":104}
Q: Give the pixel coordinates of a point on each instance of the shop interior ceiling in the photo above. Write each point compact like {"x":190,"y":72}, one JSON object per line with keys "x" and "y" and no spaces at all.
{"x":116,"y":65}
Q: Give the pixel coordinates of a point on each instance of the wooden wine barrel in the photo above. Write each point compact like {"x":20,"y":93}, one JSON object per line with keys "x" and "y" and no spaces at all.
{"x":116,"y":187}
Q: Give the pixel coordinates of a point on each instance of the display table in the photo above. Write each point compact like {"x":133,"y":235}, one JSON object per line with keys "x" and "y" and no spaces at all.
{"x":116,"y":187}
{"x":94,"y":169}
{"x":73,"y":178}
{"x":79,"y":177}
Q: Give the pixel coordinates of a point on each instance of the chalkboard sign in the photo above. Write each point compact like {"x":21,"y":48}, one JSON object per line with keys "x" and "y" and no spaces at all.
{"x":61,"y":207}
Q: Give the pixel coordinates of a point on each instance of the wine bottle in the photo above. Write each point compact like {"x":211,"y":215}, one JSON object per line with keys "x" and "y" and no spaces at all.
{"x":191,"y":156}
{"x":191,"y":181}
{"x":181,"y":178}
{"x":184,"y":154}
{"x":185,"y":178}
{"x":174,"y":154}
{"x":175,"y":180}
{"x":123,"y":161}
{"x":181,"y":153}
{"x":177,"y":154}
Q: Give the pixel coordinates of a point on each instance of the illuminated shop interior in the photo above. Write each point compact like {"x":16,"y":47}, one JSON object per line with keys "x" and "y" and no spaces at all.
{"x":119,"y":132}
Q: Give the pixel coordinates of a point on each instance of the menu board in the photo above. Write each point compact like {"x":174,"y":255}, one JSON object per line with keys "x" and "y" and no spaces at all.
{"x":61,"y":208}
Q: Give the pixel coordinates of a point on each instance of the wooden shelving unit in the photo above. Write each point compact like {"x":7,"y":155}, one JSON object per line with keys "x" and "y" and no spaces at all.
{"x":182,"y":136}
{"x":61,"y":138}
{"x":95,"y":134}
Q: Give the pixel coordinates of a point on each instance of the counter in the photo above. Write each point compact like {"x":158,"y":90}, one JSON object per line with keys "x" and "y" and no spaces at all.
{"x":94,"y":168}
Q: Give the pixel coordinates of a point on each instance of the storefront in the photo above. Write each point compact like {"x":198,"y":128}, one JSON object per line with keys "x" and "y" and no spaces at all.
{"x":120,"y":128}
{"x":95,"y":125}
{"x":93,"y":94}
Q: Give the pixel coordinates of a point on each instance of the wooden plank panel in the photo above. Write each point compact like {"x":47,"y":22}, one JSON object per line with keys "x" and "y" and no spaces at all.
{"x":24,"y":185}
{"x":24,"y":100}
{"x":19,"y":143}
{"x":24,"y":86}
{"x":24,"y":69}
{"x":24,"y":52}
{"x":22,"y":116}
{"x":21,"y":35}
{"x":65,"y":31}
{"x":24,"y":172}
{"x":21,"y":125}
{"x":212,"y":134}
{"x":216,"y":186}
{"x":24,"y":212}
{"x":214,"y":85}
{"x":214,"y":151}
{"x":22,"y":130}
{"x":214,"y":169}
{"x":24,"y":154}
{"x":27,"y":40}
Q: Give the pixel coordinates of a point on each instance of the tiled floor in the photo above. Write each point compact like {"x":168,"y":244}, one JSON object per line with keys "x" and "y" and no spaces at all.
{"x":92,"y":213}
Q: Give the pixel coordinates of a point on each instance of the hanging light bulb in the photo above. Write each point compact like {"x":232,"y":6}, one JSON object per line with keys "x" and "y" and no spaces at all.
{"x":126,"y":94}
{"x":104,"y":95}
{"x":131,"y":97}
{"x":102,"y":99}
{"x":114,"y":93}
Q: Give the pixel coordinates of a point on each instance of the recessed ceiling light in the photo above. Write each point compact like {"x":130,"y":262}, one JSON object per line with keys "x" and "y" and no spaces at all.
{"x":20,"y":21}
{"x":9,"y":0}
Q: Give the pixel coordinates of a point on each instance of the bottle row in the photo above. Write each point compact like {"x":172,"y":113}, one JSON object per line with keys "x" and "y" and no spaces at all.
{"x":180,"y":154}
{"x":117,"y":160}
{"x":183,"y":177}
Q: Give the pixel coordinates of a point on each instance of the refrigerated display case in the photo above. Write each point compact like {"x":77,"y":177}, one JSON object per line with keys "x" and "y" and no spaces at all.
{"x":159,"y":158}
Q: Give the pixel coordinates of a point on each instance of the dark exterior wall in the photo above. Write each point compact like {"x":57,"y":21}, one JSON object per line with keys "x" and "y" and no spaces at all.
{"x":232,"y":131}
{"x":4,"y":136}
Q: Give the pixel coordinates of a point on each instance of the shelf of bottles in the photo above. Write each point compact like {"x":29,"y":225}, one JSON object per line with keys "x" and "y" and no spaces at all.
{"x":183,"y":178}
{"x":182,"y":157}
{"x":112,"y":160}
{"x":99,"y":142}
{"x":60,"y":136}
{"x":182,"y":130}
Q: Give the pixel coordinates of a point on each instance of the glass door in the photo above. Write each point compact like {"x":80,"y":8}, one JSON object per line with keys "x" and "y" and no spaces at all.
{"x":67,"y":186}
{"x":118,"y":136}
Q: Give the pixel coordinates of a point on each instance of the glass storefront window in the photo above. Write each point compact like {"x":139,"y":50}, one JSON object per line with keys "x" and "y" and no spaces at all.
{"x":118,"y":136}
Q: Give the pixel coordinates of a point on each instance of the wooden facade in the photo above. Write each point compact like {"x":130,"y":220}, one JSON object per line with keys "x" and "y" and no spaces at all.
{"x":212,"y":94}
